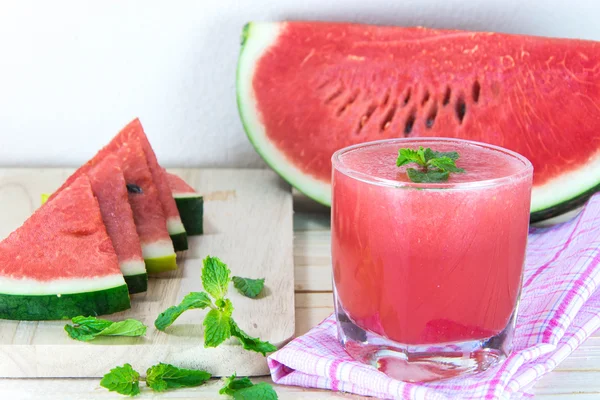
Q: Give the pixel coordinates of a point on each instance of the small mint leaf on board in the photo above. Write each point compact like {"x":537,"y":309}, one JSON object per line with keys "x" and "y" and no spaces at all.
{"x":217,"y":325}
{"x":215,"y":277}
{"x":88,"y":328}
{"x":162,"y":376}
{"x":123,"y":380}
{"x":248,"y":287}
{"x":251,"y":343}
{"x":435,"y":166}
{"x":190,"y":301}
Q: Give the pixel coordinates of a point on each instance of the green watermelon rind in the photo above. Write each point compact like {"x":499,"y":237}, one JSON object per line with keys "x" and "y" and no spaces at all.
{"x":558,"y":196}
{"x":180,"y":242}
{"x":256,"y":39}
{"x":136,"y":283}
{"x":161,"y":264}
{"x":191,"y":210}
{"x":65,"y":306}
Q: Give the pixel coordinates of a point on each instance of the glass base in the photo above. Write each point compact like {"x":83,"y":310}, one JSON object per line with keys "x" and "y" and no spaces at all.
{"x":422,"y":363}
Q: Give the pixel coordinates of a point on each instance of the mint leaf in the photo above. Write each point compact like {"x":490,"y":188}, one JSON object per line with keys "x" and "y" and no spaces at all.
{"x":260,"y":391}
{"x":217,"y":325}
{"x":435,"y":166}
{"x":232,"y":384}
{"x":426,"y":177}
{"x":190,"y":301}
{"x":161,"y":377}
{"x":88,"y":328}
{"x":248,"y":287}
{"x":250,"y":343}
{"x":123,"y":380}
{"x":215,"y":277}
{"x":445,"y":164}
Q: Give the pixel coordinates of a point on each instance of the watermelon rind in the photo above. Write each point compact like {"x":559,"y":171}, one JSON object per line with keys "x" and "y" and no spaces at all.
{"x":191,"y":210}
{"x":180,"y":242}
{"x":256,"y":39}
{"x":161,"y":264}
{"x":559,"y":195}
{"x":33,"y":304}
{"x":136,"y":283}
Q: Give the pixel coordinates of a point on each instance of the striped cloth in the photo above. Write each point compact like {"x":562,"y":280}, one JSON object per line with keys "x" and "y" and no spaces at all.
{"x":560,"y":308}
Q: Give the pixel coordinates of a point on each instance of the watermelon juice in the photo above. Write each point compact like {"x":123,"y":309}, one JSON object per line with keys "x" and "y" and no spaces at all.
{"x":428,"y":270}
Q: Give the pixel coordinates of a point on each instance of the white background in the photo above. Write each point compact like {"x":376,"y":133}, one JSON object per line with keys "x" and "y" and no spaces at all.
{"x":73,"y":72}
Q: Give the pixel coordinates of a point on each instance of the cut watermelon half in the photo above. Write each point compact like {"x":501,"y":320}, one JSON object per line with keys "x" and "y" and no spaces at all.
{"x":157,"y":247}
{"x":110,"y":188}
{"x":61,"y":263}
{"x":134,"y":130}
{"x":189,"y":203}
{"x":307,"y":89}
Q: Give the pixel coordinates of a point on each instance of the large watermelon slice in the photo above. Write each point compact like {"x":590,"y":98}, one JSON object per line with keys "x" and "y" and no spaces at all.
{"x":134,"y":130}
{"x":306,"y":89}
{"x":189,"y":203}
{"x":61,"y":263}
{"x":110,"y":188}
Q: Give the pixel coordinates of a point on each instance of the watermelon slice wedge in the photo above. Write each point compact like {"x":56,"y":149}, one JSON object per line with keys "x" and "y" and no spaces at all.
{"x":307,"y":89}
{"x":189,"y":203}
{"x":135,"y":131}
{"x":157,"y":247}
{"x":110,"y":188}
{"x":61,"y":263}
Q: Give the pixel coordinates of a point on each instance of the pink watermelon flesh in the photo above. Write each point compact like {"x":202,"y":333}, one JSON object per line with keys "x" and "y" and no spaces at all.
{"x":110,"y":188}
{"x":135,"y":131}
{"x":178,"y":185}
{"x":65,"y":238}
{"x":307,"y":89}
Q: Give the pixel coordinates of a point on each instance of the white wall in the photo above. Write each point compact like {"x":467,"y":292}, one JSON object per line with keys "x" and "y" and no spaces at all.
{"x":73,"y":72}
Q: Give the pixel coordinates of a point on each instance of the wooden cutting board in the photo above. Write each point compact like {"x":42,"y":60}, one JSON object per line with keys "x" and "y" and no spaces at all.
{"x":247,"y":223}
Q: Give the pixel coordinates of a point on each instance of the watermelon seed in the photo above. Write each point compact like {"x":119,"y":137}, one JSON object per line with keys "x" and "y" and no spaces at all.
{"x":461,"y":109}
{"x":447,"y":96}
{"x":387,"y":121}
{"x":431,"y":117}
{"x":131,"y":188}
{"x":335,"y":95}
{"x":425,"y":97}
{"x":476,"y":90}
{"x":348,"y":103}
{"x":407,"y":97}
{"x":365,"y":118}
{"x":410,"y":121}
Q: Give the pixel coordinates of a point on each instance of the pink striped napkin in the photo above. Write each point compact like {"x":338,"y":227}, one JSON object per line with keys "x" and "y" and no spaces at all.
{"x":560,"y":308}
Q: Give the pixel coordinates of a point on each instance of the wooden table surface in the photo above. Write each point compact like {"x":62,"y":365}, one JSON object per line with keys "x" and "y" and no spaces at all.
{"x":577,"y":378}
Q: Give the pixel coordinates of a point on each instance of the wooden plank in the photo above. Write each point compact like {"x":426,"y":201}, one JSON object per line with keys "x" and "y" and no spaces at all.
{"x":248,"y":219}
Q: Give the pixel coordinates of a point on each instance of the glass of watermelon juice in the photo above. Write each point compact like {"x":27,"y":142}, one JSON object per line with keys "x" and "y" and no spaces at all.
{"x":427,"y":276}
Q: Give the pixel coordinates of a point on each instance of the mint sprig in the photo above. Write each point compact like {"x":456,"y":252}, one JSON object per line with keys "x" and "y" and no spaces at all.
{"x":435,"y":166}
{"x":88,"y":328}
{"x":218,"y":323}
{"x":244,"y":389}
{"x":123,"y":380}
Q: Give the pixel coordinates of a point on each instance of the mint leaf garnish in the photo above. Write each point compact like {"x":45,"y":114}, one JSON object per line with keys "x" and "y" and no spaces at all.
{"x":88,"y":328}
{"x":244,"y":389}
{"x":435,"y":166}
{"x":190,"y":301}
{"x":250,"y":343}
{"x":162,"y":376}
{"x":217,"y":325}
{"x":215,"y":277}
{"x":123,"y":380}
{"x":248,"y":287}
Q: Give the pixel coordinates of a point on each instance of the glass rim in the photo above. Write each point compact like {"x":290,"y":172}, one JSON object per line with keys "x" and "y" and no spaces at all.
{"x":337,"y":164}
